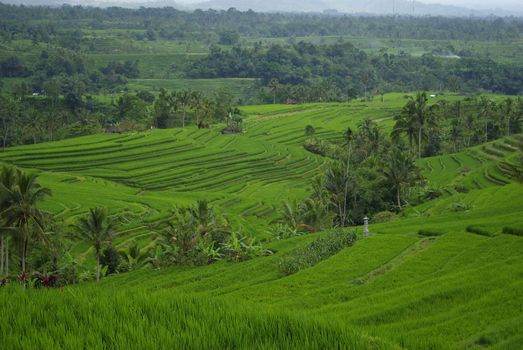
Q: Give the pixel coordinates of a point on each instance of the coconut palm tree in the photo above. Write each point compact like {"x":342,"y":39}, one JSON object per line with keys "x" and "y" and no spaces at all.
{"x":97,"y":229}
{"x":316,"y":215}
{"x":134,"y":257}
{"x":289,"y":215}
{"x":337,"y":183}
{"x":405,"y":123}
{"x":183,"y":100}
{"x":7,"y":181}
{"x":203,"y":108}
{"x":416,"y":118}
{"x":349,"y":138}
{"x":400,"y":172}
{"x":22,"y":216}
{"x":274,"y":85}
{"x":487,"y":107}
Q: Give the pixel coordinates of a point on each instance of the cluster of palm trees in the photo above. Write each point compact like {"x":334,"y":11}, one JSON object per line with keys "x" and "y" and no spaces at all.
{"x":452,"y":126}
{"x":370,"y":173}
{"x":367,"y":173}
{"x":26,"y":225}
{"x":199,"y":235}
{"x":97,"y":229}
{"x":22,"y":221}
{"x":177,"y":104}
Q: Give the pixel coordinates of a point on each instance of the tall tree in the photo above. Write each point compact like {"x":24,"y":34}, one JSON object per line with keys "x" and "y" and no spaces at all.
{"x":22,"y":215}
{"x":8,"y":116}
{"x":416,"y":118}
{"x":7,"y":181}
{"x":274,"y":85}
{"x":338,"y":183}
{"x":184,"y":100}
{"x":163,"y":110}
{"x":97,"y":229}
{"x":405,"y":123}
{"x":400,"y":172}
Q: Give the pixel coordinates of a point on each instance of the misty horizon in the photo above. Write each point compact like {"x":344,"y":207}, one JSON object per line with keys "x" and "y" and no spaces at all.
{"x":451,"y":8}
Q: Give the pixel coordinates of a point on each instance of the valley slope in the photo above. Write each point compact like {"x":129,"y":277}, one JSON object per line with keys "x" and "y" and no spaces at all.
{"x":394,"y":289}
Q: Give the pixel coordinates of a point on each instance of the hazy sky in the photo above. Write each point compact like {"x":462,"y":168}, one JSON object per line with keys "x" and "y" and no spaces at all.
{"x":480,"y":3}
{"x":484,"y":4}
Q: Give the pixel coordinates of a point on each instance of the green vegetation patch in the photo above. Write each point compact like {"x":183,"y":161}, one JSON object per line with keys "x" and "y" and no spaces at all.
{"x":82,"y":318}
{"x":429,"y":233}
{"x":480,"y":230}
{"x":516,"y":231}
{"x":315,"y":252}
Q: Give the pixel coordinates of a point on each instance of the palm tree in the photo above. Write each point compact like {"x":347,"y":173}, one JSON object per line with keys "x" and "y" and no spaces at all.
{"x":400,"y":172}
{"x":405,"y":123}
{"x":274,"y":85}
{"x":337,"y":183}
{"x":416,"y":118}
{"x":163,"y":110}
{"x":487,"y":106}
{"x":203,"y":108}
{"x":183,"y":100}
{"x":7,"y":181}
{"x":349,"y":138}
{"x":22,"y":216}
{"x":134,"y":257}
{"x":508,"y":111}
{"x":290,"y":215}
{"x":316,"y":215}
{"x":97,"y":229}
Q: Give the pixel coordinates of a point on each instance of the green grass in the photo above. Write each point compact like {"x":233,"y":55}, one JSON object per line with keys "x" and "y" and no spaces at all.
{"x":396,"y":288}
{"x":83,"y":318}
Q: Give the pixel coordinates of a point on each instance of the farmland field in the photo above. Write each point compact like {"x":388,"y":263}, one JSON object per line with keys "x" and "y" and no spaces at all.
{"x":393,"y":289}
{"x":228,"y":179}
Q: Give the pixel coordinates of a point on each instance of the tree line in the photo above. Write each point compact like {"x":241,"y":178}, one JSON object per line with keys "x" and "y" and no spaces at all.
{"x":35,"y":246}
{"x":304,"y":72}
{"x":28,"y":119}
{"x":62,"y":25}
{"x":64,"y":71}
{"x":370,"y":174}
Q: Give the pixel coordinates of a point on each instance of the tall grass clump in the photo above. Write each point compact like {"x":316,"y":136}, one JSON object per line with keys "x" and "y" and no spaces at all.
{"x":480,"y":230}
{"x":315,"y":252}
{"x":110,"y":319}
{"x":429,"y":233}
{"x":516,"y":231}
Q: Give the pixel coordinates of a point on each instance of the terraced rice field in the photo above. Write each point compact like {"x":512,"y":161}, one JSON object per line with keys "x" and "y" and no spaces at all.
{"x":248,"y":176}
{"x":142,"y":175}
{"x":394,"y":289}
{"x":478,"y":167}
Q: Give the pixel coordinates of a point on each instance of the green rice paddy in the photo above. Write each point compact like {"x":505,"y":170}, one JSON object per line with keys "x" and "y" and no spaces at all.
{"x":394,"y":289}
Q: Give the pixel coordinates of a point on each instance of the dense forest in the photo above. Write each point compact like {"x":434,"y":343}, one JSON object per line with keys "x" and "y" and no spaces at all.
{"x":72,"y":70}
{"x":175,"y":24}
{"x":351,"y":72}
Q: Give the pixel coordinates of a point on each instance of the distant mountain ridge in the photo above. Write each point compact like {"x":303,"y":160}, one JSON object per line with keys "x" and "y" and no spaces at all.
{"x":379,"y":7}
{"x":370,"y":7}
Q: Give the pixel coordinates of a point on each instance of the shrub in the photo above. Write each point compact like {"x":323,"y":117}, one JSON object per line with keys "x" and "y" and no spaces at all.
{"x":281,"y":231}
{"x":480,"y":230}
{"x":241,"y":247}
{"x":44,"y":280}
{"x":429,"y":233}
{"x":315,"y":252}
{"x":111,"y":259}
{"x":513,"y":231}
{"x":459,"y":206}
{"x":461,"y":188}
{"x":383,"y":216}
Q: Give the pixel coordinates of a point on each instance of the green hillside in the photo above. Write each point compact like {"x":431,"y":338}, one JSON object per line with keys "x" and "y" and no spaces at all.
{"x":454,"y":289}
